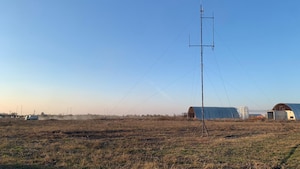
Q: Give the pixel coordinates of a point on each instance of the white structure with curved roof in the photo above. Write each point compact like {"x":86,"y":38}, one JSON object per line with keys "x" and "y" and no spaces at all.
{"x":285,"y":111}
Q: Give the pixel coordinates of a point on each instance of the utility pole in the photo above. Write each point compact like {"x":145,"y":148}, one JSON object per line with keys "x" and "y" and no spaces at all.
{"x":204,"y":128}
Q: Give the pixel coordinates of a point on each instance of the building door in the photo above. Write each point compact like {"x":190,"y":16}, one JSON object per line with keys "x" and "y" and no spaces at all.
{"x":271,"y":115}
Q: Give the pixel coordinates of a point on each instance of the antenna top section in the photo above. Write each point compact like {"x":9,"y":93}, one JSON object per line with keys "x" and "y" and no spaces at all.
{"x":212,"y":45}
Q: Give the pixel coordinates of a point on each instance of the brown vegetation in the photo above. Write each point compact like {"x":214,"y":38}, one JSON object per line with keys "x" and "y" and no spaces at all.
{"x":148,"y":143}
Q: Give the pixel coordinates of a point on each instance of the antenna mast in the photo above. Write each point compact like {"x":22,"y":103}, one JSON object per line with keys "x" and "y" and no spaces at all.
{"x":204,"y":128}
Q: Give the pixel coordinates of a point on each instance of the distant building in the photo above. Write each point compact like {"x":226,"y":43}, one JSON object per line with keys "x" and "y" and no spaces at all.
{"x":31,"y":117}
{"x":243,"y":112}
{"x":213,"y":113}
{"x":285,"y":111}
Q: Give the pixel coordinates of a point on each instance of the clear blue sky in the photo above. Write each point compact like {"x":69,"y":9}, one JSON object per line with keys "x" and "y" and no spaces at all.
{"x":132,"y":57}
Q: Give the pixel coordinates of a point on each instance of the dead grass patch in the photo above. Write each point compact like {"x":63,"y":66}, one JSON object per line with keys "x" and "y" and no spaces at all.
{"x":148,"y":143}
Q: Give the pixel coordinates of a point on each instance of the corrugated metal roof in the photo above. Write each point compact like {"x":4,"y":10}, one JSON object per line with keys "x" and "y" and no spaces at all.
{"x":295,"y":107}
{"x":215,"y":112}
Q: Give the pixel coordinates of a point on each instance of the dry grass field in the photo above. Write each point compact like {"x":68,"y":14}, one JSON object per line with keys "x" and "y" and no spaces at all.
{"x":148,"y":143}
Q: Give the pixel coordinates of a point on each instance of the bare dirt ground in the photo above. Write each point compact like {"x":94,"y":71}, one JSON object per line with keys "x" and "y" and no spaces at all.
{"x":148,"y":143}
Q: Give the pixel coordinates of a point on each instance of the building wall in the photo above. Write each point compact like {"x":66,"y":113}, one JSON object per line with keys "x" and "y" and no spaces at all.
{"x":280,"y":115}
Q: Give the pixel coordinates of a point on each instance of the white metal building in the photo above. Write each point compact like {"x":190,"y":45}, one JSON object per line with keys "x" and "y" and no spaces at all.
{"x":285,"y":111}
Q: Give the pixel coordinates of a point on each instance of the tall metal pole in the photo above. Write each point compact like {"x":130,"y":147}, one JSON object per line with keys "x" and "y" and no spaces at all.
{"x":204,"y":128}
